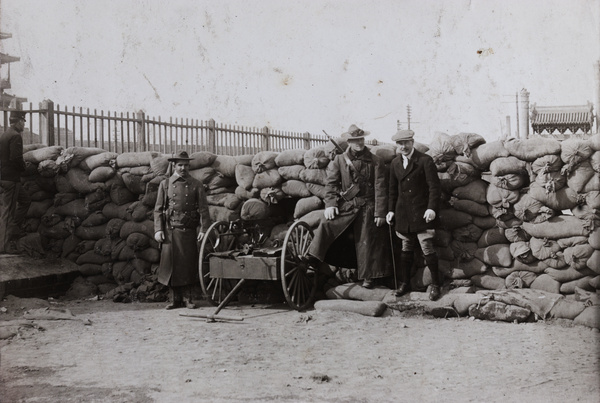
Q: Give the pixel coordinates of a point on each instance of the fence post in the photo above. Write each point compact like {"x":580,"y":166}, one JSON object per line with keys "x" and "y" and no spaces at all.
{"x":307,"y":141}
{"x":47,"y":122}
{"x":140,"y":117}
{"x":265,"y":140}
{"x":212,"y":136}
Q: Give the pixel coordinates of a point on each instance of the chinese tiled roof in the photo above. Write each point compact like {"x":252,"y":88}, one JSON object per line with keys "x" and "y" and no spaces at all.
{"x":569,"y":115}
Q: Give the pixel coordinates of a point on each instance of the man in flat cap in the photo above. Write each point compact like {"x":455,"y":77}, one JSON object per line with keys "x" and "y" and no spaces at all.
{"x":181,"y":219}
{"x":413,"y":204}
{"x":356,"y":201}
{"x":14,"y":201}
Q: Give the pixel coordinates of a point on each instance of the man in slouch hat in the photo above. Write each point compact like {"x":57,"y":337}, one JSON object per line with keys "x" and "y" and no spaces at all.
{"x":14,"y":201}
{"x":413,"y":204}
{"x":356,"y":200}
{"x":181,"y":219}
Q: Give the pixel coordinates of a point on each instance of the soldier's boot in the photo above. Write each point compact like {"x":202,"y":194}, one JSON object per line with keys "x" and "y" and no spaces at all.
{"x":406,"y":263}
{"x":432,"y":264}
{"x":189,"y":300}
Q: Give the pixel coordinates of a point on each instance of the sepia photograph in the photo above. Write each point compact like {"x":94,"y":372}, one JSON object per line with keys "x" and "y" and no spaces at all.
{"x":299,"y":201}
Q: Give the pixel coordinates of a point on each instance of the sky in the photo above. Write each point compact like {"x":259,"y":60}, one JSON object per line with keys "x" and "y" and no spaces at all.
{"x":307,"y":65}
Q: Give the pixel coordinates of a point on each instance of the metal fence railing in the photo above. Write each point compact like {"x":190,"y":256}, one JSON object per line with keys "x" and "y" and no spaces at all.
{"x":134,"y":131}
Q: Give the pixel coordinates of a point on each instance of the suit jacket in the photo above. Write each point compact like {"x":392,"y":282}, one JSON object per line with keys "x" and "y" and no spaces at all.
{"x":11,"y":156}
{"x":412,"y":191}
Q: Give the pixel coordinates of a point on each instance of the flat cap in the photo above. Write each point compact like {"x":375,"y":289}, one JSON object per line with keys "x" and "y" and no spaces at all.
{"x":405,"y":134}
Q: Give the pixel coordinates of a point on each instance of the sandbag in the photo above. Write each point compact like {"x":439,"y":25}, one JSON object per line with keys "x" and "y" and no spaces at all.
{"x":484,"y":222}
{"x":367,"y":308}
{"x":590,"y":317}
{"x":263,"y":161}
{"x":574,"y":151}
{"x":306,"y":205}
{"x":272,"y":195}
{"x":254,"y":209}
{"x":101,"y":174}
{"x":546,"y":283}
{"x":464,"y":251}
{"x":451,"y":219}
{"x":519,"y":279}
{"x":533,"y":148}
{"x":450,"y":181}
{"x":144,"y":227}
{"x":220,"y":213}
{"x":593,"y":261}
{"x":495,"y":255}
{"x":244,"y":176}
{"x":463,"y":143}
{"x":463,"y":302}
{"x":111,"y":210}
{"x":385,"y":152}
{"x":475,"y":191}
{"x":138,"y":241}
{"x":291,"y":172}
{"x":318,"y":176}
{"x":316,"y":158}
{"x":459,"y":269}
{"x":470,"y":207}
{"x":488,"y":281}
{"x":92,"y":257}
{"x":483,"y":155}
{"x":135,"y":159}
{"x":225,"y":165}
{"x":499,"y":311}
{"x":317,"y":190}
{"x":568,"y":274}
{"x":160,"y":165}
{"x":579,"y":177}
{"x":577,"y":256}
{"x":562,"y":226}
{"x":546,"y":164}
{"x":551,"y":181}
{"x":48,"y":168}
{"x":134,"y":183}
{"x":269,"y":178}
{"x":570,"y":286}
{"x":492,"y":236}
{"x":121,"y":195}
{"x":244,"y":194}
{"x":38,"y":208}
{"x":543,"y":248}
{"x":38,"y":155}
{"x":75,"y":208}
{"x":202,"y":159}
{"x":507,"y":165}
{"x":295,"y":188}
{"x":229,"y":200}
{"x":508,"y":181}
{"x":290,"y":158}
{"x":203,"y":175}
{"x":499,"y":197}
{"x":97,"y":160}
{"x":468,"y":233}
{"x":566,"y":309}
{"x":531,"y":210}
{"x":441,"y":149}
{"x":79,"y":180}
{"x":356,"y":292}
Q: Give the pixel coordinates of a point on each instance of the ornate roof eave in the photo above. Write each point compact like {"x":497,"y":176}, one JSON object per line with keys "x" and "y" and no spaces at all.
{"x":4,"y":58}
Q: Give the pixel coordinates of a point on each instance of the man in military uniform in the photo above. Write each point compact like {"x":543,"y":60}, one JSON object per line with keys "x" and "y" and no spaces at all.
{"x":414,"y":199}
{"x":356,"y":196}
{"x":14,"y":201}
{"x":180,"y":220}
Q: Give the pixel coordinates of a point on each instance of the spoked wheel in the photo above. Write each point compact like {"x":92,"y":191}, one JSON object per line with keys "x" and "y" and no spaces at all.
{"x":218,"y":238}
{"x":298,"y":278}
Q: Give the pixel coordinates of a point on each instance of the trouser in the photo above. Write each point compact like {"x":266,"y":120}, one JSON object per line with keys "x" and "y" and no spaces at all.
{"x":14,"y":203}
{"x":425,"y":239}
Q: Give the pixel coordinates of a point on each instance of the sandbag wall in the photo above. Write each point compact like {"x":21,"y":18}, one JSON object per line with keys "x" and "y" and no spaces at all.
{"x":516,"y":213}
{"x":519,"y":213}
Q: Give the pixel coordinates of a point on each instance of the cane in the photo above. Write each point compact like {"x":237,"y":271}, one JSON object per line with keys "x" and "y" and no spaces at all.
{"x":393,"y":258}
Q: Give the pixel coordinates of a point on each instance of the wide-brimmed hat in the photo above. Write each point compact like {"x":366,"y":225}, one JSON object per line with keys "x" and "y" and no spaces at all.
{"x":15,"y":116}
{"x":402,"y":135}
{"x":354,"y":133}
{"x":181,"y":156}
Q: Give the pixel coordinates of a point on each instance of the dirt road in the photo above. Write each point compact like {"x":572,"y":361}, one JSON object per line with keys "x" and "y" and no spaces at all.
{"x":139,"y":352}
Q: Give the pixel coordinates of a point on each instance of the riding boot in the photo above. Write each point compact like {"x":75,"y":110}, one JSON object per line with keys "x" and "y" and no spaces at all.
{"x":189,"y":297}
{"x":432,"y":264}
{"x":406,"y":264}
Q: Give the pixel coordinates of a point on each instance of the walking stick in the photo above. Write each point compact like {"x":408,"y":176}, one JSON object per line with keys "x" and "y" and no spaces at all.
{"x":393,"y":258}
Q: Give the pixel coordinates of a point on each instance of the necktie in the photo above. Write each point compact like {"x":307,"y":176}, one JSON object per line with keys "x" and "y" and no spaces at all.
{"x":404,"y":162}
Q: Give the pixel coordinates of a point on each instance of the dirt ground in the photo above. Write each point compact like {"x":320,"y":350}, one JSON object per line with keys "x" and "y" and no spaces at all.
{"x":139,"y":352}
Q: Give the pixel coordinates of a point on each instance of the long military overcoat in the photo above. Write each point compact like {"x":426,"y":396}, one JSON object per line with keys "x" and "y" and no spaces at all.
{"x":372,"y":243}
{"x":181,"y":211}
{"x":412,"y":191}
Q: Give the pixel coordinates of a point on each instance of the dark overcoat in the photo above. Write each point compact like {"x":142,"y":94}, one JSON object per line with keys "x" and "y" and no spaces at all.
{"x":371,"y":242}
{"x":181,"y":211}
{"x":412,"y":191}
{"x":11,"y":155}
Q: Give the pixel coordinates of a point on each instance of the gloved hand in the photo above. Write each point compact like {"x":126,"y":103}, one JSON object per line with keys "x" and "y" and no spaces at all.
{"x":429,"y":215}
{"x":331,"y":212}
{"x":159,"y":236}
{"x":389,"y":217}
